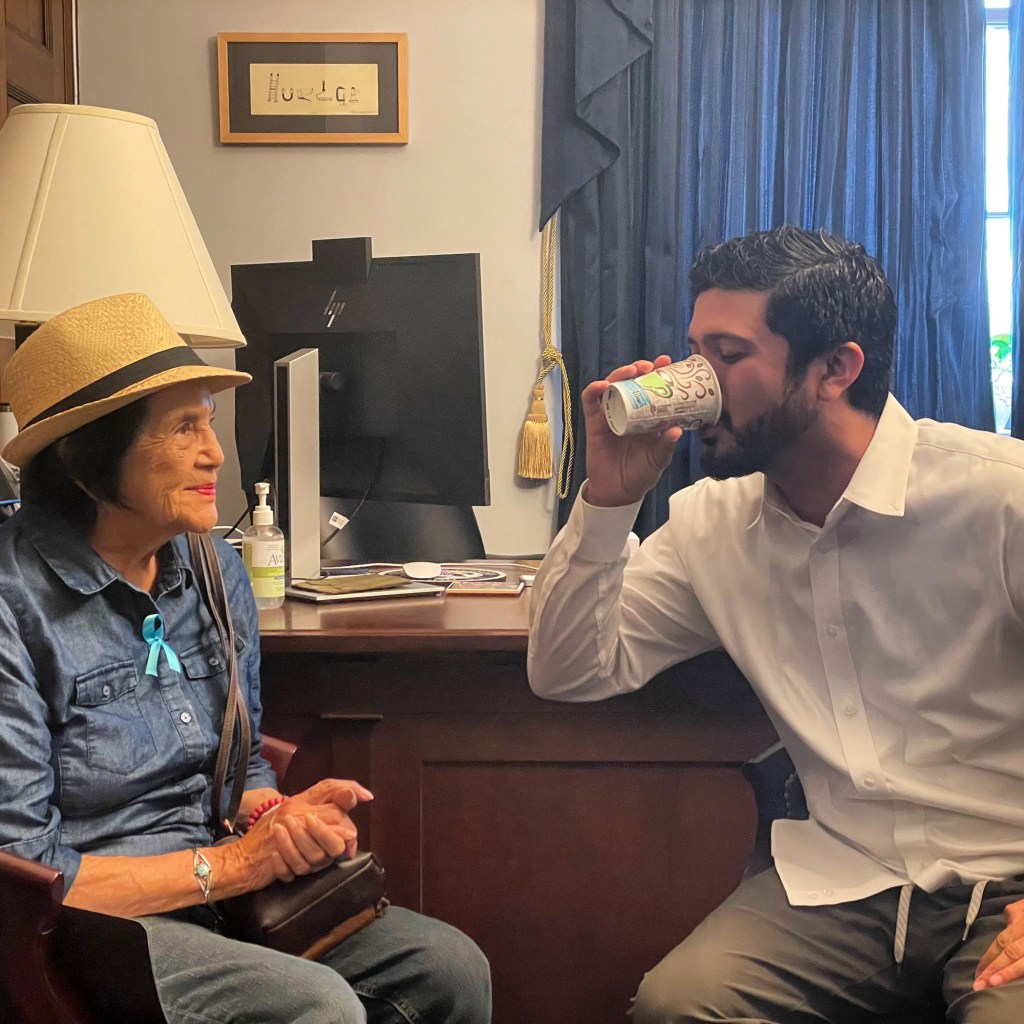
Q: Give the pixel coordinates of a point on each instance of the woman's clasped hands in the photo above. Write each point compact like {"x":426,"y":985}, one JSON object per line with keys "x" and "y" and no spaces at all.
{"x":302,"y":835}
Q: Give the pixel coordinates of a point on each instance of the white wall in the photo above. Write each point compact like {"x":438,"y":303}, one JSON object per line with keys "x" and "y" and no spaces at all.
{"x":466,"y":182}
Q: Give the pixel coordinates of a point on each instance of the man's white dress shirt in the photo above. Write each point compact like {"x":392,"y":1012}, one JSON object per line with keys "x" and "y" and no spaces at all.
{"x":887,"y":647}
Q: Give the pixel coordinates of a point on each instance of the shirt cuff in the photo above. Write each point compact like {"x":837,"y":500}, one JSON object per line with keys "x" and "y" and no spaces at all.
{"x":261,"y":777}
{"x":602,"y":531}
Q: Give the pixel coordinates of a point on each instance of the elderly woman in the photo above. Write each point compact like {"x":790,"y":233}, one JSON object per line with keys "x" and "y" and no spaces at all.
{"x":110,"y":718}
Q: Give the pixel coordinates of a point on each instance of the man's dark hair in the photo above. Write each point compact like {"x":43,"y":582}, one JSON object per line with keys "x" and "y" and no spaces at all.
{"x":86,"y":462}
{"x":823,"y":290}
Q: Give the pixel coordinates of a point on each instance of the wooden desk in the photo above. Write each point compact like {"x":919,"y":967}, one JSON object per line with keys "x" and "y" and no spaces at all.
{"x":575,"y":843}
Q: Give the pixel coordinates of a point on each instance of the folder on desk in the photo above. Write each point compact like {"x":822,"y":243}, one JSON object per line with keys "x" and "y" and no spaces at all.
{"x":409,"y":589}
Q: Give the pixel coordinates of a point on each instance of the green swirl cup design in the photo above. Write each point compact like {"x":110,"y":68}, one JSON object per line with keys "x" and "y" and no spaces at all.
{"x":684,"y":394}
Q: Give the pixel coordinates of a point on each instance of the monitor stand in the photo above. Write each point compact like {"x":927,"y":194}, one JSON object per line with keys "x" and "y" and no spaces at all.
{"x":401,"y":531}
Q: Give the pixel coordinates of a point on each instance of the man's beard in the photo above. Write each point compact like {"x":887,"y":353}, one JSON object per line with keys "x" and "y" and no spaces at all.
{"x":760,"y":442}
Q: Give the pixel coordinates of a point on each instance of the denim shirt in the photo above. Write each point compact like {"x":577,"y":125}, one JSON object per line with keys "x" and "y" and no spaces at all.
{"x":96,"y":756}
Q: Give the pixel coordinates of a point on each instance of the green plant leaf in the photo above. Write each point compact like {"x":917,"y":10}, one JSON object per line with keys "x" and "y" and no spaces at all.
{"x":1002,"y":346}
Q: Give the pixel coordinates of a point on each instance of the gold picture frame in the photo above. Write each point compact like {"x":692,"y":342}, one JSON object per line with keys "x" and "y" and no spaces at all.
{"x":320,"y":88}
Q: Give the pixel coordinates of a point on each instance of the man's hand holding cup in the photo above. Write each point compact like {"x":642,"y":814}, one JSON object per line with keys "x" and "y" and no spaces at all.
{"x":635,"y":418}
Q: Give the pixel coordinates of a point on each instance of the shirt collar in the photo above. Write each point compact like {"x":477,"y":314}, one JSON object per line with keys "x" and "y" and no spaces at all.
{"x":879,"y":483}
{"x":175,"y":568}
{"x":762,"y":504}
{"x":67,"y":551}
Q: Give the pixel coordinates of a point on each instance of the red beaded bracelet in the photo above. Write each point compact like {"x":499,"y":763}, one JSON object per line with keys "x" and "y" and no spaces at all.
{"x":262,"y":809}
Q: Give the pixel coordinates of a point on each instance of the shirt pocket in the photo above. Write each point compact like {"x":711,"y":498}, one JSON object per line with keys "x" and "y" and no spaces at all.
{"x":117,"y":736}
{"x":206,"y":669}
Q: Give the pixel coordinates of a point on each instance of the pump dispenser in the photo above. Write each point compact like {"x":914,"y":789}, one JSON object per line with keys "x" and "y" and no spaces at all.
{"x":263,"y":553}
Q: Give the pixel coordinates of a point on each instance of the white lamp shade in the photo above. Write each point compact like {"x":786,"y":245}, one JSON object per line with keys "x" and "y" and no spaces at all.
{"x":90,"y":206}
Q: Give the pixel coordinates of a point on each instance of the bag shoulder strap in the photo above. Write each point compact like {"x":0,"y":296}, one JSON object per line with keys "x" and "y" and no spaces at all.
{"x":206,"y":566}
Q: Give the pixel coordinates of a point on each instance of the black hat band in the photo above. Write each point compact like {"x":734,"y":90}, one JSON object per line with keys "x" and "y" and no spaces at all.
{"x":125,"y":376}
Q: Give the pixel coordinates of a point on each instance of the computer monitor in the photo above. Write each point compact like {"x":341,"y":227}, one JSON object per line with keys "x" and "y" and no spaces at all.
{"x":403,"y":440}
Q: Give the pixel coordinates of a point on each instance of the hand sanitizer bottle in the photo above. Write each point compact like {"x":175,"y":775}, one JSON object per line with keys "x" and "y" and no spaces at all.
{"x":263,"y":553}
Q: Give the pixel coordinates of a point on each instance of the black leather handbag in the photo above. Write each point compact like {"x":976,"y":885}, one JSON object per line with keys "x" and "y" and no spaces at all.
{"x":313,"y":913}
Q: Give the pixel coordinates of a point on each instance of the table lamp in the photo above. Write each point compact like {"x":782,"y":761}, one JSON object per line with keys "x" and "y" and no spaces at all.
{"x":91,"y":207}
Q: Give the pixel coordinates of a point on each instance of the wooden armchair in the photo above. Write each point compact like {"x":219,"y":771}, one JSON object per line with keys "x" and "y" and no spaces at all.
{"x":46,"y":974}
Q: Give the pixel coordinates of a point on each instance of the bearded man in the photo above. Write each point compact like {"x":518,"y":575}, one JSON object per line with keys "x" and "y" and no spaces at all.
{"x":864,"y":571}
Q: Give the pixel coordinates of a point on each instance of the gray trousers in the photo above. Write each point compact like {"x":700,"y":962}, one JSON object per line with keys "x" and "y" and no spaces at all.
{"x":758,"y":960}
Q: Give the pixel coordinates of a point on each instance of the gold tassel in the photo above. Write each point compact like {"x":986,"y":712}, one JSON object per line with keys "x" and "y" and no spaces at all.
{"x":535,"y":458}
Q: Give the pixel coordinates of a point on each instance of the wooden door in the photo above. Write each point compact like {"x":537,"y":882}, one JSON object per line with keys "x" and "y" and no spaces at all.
{"x":36,"y":52}
{"x":37,"y":65}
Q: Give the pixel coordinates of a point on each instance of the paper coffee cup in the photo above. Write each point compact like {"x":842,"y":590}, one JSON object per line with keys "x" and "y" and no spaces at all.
{"x":684,"y":394}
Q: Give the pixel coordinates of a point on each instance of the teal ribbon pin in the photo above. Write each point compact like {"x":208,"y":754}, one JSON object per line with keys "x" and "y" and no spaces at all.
{"x":153,"y":634}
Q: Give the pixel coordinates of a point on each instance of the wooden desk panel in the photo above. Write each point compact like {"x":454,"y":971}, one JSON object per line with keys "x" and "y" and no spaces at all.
{"x":418,"y":624}
{"x":575,"y":843}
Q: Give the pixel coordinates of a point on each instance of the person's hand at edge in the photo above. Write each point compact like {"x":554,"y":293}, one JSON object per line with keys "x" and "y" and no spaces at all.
{"x":1004,"y":959}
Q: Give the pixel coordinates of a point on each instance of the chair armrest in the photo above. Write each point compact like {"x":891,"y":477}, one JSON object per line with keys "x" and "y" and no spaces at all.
{"x":279,"y":753}
{"x":777,"y":794}
{"x":28,"y":876}
{"x":31,"y":895}
{"x":103,"y":955}
{"x":776,"y":785}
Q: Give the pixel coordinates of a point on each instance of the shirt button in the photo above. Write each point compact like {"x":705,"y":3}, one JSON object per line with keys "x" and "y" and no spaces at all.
{"x":106,"y":691}
{"x":185,"y":717}
{"x":214,"y":662}
{"x":869,"y":781}
{"x":828,"y":892}
{"x":832,"y":629}
{"x":812,"y":895}
{"x":850,"y":710}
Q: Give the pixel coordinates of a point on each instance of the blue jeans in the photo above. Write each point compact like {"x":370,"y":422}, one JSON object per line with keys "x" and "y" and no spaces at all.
{"x":403,"y":968}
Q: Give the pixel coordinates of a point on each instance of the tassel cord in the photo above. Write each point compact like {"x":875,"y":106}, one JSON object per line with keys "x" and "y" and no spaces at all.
{"x":551,"y":359}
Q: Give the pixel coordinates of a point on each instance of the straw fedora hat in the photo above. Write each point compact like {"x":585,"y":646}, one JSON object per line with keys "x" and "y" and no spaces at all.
{"x":93,"y":359}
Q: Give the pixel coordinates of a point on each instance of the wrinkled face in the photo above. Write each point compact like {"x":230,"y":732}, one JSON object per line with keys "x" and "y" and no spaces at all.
{"x":763,"y":411}
{"x":169,"y":475}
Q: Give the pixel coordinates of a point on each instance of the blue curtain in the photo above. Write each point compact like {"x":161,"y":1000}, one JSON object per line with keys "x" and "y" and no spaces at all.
{"x":1016,"y":159}
{"x":673,"y":124}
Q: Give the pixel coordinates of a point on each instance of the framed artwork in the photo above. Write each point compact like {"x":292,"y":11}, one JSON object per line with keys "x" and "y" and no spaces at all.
{"x":322,"y":88}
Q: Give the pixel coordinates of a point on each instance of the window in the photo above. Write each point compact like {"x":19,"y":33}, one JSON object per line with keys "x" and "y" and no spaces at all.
{"x":998,"y":253}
